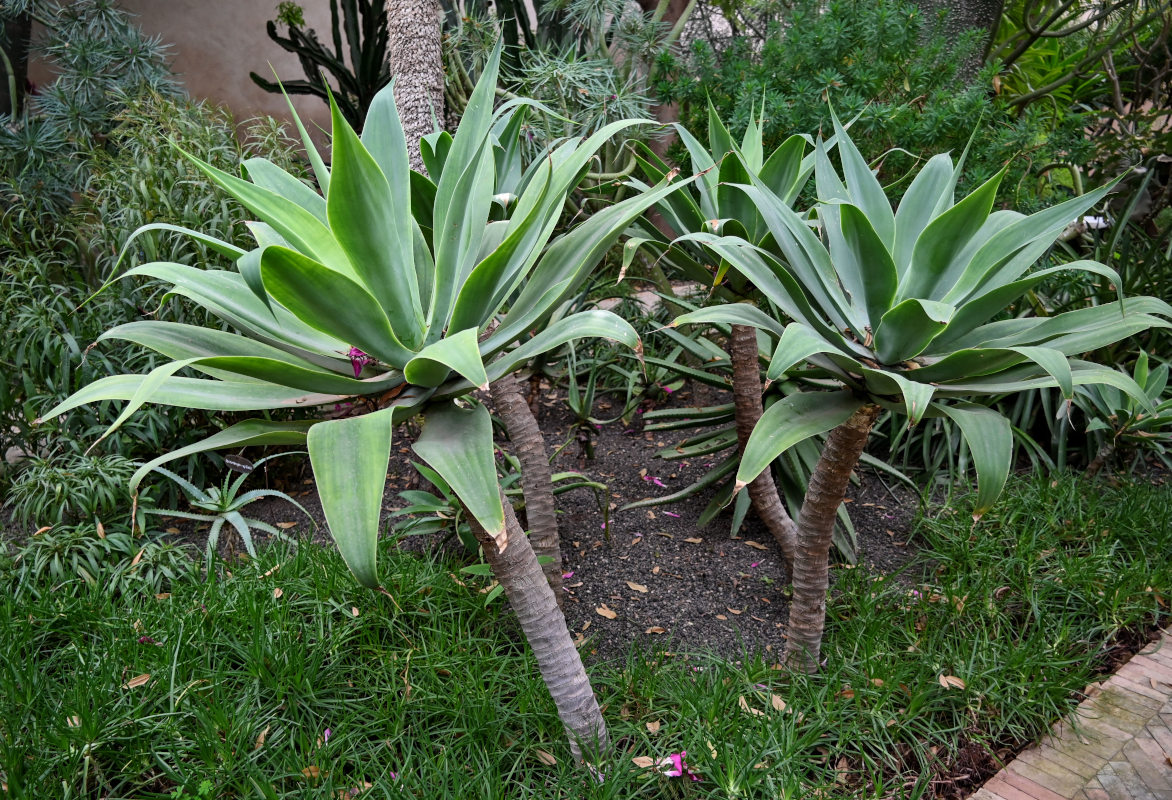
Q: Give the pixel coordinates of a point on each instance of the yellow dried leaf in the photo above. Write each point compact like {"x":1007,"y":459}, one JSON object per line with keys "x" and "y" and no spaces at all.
{"x":277,"y":593}
{"x":951,"y":682}
{"x":847,"y":694}
{"x":721,"y":617}
{"x":637,"y":587}
{"x":777,"y":703}
{"x":877,"y":682}
{"x":137,"y":681}
{"x":271,"y":571}
{"x":312,"y":772}
{"x":137,"y":557}
{"x":260,"y":740}
{"x":655,"y":629}
{"x":653,"y":727}
{"x":42,"y":529}
{"x":694,"y":540}
{"x":101,"y":529}
{"x":354,"y":610}
{"x":755,"y":545}
{"x":732,"y":610}
{"x":286,"y":525}
{"x":644,"y":762}
{"x":605,"y":611}
{"x":711,"y":749}
{"x":172,"y":530}
{"x":163,"y":596}
{"x":546,"y":758}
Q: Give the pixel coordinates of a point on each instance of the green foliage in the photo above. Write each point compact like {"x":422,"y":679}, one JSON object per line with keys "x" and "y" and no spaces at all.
{"x":1118,"y":423}
{"x":68,"y":489}
{"x":882,"y":62}
{"x":1057,"y":578}
{"x":223,"y":505}
{"x":86,"y":554}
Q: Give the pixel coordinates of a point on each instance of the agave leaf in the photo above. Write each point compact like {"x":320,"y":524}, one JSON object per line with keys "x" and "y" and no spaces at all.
{"x":302,"y":229}
{"x":372,"y":225}
{"x":930,"y":193}
{"x":268,"y":175}
{"x":863,"y":262}
{"x":331,"y":303}
{"x":782,"y":173}
{"x":349,"y":458}
{"x":731,"y":314}
{"x":908,"y":328}
{"x":990,"y":441}
{"x":797,"y":344}
{"x":934,"y":269}
{"x":147,"y":387}
{"x":584,"y":324}
{"x":790,"y":420}
{"x":864,"y":187}
{"x":702,"y":165}
{"x":320,"y":171}
{"x":1054,"y":363}
{"x":457,"y":444}
{"x":457,"y":353}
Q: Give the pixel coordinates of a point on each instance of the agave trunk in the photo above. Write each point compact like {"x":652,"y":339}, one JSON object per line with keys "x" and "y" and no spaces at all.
{"x":536,"y":477}
{"x":747,"y":392}
{"x":811,"y":575}
{"x":413,"y":46}
{"x":545,"y":629}
{"x":1100,"y":460}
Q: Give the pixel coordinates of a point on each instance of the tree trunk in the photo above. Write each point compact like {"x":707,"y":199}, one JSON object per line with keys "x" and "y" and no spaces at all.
{"x":1100,"y":460}
{"x":961,"y":16}
{"x":747,"y":392}
{"x":545,"y":630}
{"x":413,"y":45}
{"x":15,"y":33}
{"x":807,"y":616}
{"x":536,"y":477}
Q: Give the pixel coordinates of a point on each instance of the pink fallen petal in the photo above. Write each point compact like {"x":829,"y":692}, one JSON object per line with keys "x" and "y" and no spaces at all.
{"x":603,"y":525}
{"x":326,"y":736}
{"x":674,"y":766}
{"x":755,"y":563}
{"x":659,"y":483}
{"x":567,"y":575}
{"x":671,"y":514}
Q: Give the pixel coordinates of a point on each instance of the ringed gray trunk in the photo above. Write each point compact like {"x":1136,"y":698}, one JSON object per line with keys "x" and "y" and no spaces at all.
{"x":811,"y":577}
{"x":1100,"y":460}
{"x":545,"y":629}
{"x":747,"y":391}
{"x":413,"y":48}
{"x":536,"y":477}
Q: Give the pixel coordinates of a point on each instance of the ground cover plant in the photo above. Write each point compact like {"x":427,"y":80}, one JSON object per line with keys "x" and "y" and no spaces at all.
{"x":286,"y":680}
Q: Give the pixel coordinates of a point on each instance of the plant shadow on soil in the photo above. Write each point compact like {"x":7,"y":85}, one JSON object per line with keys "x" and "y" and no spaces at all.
{"x":696,"y":589}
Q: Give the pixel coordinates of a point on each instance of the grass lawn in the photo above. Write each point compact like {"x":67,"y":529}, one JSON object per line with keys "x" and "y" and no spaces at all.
{"x":287,"y":680}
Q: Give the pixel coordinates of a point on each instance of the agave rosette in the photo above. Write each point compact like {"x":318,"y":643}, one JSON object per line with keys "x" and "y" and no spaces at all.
{"x":390,"y":287}
{"x":900,"y":307}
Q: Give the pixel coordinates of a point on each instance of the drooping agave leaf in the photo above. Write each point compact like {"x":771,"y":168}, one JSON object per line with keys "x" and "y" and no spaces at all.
{"x":584,"y":324}
{"x":457,"y":353}
{"x":908,"y":328}
{"x":790,"y":420}
{"x":349,"y":458}
{"x":731,"y":314}
{"x":990,"y":441}
{"x":457,"y":444}
{"x":797,"y":344}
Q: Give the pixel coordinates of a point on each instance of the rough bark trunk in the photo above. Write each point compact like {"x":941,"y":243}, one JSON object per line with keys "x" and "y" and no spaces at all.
{"x":545,"y":630}
{"x":961,"y":16}
{"x":413,"y":47}
{"x":807,"y":616}
{"x":536,"y":477}
{"x":747,"y":392}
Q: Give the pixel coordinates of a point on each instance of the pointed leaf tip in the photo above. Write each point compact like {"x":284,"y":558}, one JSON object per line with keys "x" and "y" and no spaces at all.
{"x":738,"y":486}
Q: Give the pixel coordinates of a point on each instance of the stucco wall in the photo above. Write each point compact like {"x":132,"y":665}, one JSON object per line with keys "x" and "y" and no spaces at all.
{"x":216,"y":43}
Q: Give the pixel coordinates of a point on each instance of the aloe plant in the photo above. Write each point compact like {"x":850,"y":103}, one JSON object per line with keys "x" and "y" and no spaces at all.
{"x":390,"y":294}
{"x":904,"y":310}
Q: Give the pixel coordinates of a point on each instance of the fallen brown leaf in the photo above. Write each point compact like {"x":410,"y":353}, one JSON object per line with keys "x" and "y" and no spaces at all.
{"x":644,"y":762}
{"x":277,"y":593}
{"x":877,"y":682}
{"x":721,"y":617}
{"x":163,"y":595}
{"x":137,"y":556}
{"x":286,"y":525}
{"x":137,"y":681}
{"x":42,"y":529}
{"x":951,"y":682}
{"x":694,"y":540}
{"x":271,"y":571}
{"x":605,"y":611}
{"x":777,"y":703}
{"x":653,"y":727}
{"x":172,"y":530}
{"x":711,"y":749}
{"x":354,"y":610}
{"x":744,"y":704}
{"x":637,"y":587}
{"x":260,"y":740}
{"x":755,"y":545}
{"x":545,"y":758}
{"x":732,"y":610}
{"x":655,"y":629}
{"x":846,"y":694}
{"x":312,"y":772}
{"x":353,"y":791}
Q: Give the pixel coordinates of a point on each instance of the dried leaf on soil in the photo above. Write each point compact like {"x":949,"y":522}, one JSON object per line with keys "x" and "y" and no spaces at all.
{"x":545,"y":758}
{"x":644,"y":762}
{"x":278,"y":593}
{"x":777,"y":703}
{"x":694,"y":540}
{"x":655,"y":629}
{"x":286,"y":525}
{"x":755,"y":545}
{"x":605,"y":611}
{"x":637,"y":587}
{"x":653,"y":727}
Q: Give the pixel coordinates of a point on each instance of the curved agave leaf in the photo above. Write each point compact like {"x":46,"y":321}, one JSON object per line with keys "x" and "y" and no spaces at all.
{"x":990,"y":441}
{"x":796,"y":345}
{"x":457,"y":444}
{"x":268,"y":175}
{"x":372,"y":225}
{"x":584,"y":324}
{"x":792,"y":419}
{"x":731,"y":314}
{"x":929,"y":194}
{"x":864,"y":187}
{"x":907,"y":329}
{"x":457,"y":353}
{"x":864,"y":265}
{"x":349,"y":458}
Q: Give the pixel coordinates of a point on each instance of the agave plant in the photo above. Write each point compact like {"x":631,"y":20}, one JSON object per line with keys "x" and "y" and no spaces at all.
{"x":389,"y":294}
{"x":904,"y":310}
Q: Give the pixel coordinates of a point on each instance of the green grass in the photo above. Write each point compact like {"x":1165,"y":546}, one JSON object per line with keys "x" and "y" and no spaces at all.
{"x":437,"y":691}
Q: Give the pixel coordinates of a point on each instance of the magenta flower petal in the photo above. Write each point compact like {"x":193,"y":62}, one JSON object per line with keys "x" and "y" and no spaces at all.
{"x":671,"y":514}
{"x":567,"y":575}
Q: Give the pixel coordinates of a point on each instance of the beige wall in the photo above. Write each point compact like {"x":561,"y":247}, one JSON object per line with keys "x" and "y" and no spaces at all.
{"x":216,"y":43}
